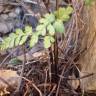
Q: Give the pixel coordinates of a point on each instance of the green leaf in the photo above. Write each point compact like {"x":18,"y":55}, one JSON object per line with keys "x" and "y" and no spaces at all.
{"x":60,"y":12}
{"x":59,"y":26}
{"x":12,"y":41}
{"x":12,"y":35}
{"x":38,"y":33}
{"x":23,"y":39}
{"x":47,"y":42}
{"x":6,"y":42}
{"x":43,"y":32}
{"x":33,"y":40}
{"x":46,"y":23}
{"x":19,"y":31}
{"x":12,"y":44}
{"x":18,"y":40}
{"x":69,"y":10}
{"x":40,"y":27}
{"x":64,"y":13}
{"x":2,"y":47}
{"x":50,"y":17}
{"x":52,"y":40}
{"x":42,"y":20}
{"x":28,"y":30}
{"x":51,"y":29}
{"x":65,"y":17}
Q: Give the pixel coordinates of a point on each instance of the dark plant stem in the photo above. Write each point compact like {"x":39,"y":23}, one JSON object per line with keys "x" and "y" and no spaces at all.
{"x":54,"y":66}
{"x":57,"y":4}
{"x":3,"y":64}
{"x":47,"y":3}
{"x":51,"y":54}
{"x":22,"y":71}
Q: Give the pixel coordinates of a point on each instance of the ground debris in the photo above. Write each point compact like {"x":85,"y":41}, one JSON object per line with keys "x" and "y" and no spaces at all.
{"x":8,"y":80}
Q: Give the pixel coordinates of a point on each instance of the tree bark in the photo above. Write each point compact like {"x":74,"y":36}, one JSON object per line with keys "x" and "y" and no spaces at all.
{"x":87,"y":60}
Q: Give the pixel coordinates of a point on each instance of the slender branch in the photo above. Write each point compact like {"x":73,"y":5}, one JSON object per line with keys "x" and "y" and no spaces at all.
{"x":54,"y":87}
{"x":46,"y":77}
{"x":37,"y":89}
{"x":2,"y":63}
{"x":83,"y":77}
{"x":30,"y":82}
{"x":22,"y":71}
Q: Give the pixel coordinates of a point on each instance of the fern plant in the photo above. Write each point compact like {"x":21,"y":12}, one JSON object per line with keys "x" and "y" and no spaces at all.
{"x":48,"y":26}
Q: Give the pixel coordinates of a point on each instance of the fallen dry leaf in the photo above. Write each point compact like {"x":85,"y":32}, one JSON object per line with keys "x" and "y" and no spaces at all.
{"x":10,"y":77}
{"x":74,"y":83}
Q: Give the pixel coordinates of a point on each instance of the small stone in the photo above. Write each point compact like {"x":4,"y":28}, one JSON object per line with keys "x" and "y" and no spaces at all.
{"x":4,"y":16}
{"x":1,"y":9}
{"x":3,"y":28}
{"x":12,"y":14}
{"x":10,"y":26}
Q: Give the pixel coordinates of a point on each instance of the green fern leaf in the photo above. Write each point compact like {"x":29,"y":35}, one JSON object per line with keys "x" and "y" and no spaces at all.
{"x":12,"y":36}
{"x":19,"y":31}
{"x":33,"y":40}
{"x":64,"y":13}
{"x":23,"y":39}
{"x":48,"y":40}
{"x":51,"y":30}
{"x":18,"y":38}
{"x":40,"y":27}
{"x":50,"y":17}
{"x":43,"y":32}
{"x":59,"y":26}
{"x":28,"y":30}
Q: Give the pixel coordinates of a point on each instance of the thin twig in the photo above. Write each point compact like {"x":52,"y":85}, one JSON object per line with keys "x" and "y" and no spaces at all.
{"x":54,"y":87}
{"x":2,"y":63}
{"x":30,"y":82}
{"x":79,"y":78}
{"x":22,"y":71}
{"x":37,"y":89}
{"x":57,"y":92}
{"x":46,"y":71}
